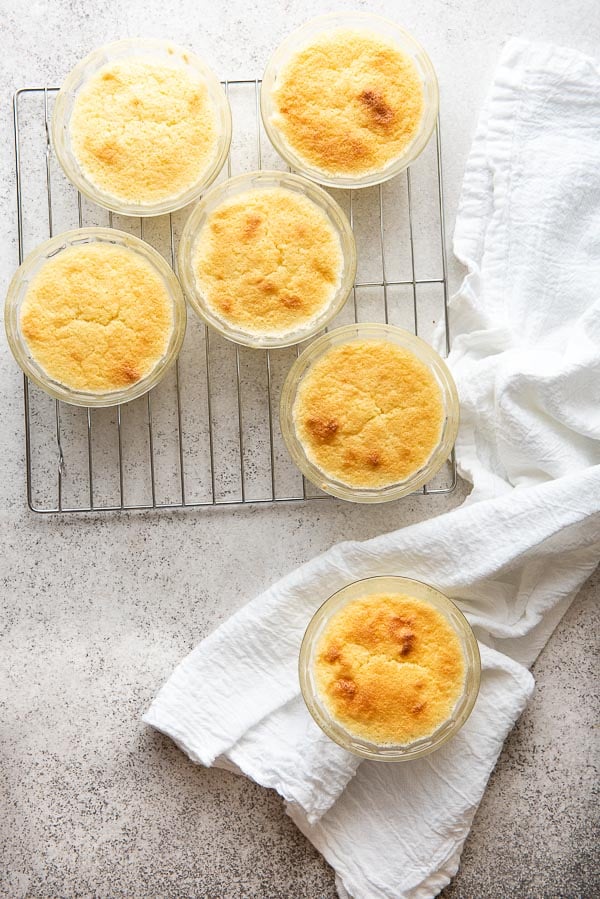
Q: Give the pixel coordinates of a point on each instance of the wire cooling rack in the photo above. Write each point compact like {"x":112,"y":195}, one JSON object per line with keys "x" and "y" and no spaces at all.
{"x":208,"y":434}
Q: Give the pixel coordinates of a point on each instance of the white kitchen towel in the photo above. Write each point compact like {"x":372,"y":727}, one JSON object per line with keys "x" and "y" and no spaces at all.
{"x":526,"y":358}
{"x":526,"y":321}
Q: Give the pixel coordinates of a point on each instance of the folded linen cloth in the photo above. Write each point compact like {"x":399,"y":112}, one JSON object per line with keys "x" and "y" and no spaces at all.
{"x":526,"y":358}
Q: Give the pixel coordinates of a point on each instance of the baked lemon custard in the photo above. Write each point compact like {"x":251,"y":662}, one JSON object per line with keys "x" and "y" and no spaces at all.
{"x":349,"y":103}
{"x":389,"y":668}
{"x":268,"y":261}
{"x":143,"y":131}
{"x":97,"y":317}
{"x":368,"y":413}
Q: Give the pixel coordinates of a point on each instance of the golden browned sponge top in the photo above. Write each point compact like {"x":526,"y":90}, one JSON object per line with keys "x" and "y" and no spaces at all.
{"x":389,"y":668}
{"x":97,"y":317}
{"x":368,"y":413}
{"x":268,"y":261}
{"x":350,"y":103}
{"x":143,"y":131}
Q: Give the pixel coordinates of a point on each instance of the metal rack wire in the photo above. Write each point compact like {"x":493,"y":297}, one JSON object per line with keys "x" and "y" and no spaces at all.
{"x":208,"y":434}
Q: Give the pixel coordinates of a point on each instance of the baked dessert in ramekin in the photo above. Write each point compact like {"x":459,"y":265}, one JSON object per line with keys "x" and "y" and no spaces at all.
{"x":141,"y":127}
{"x":95,"y":317}
{"x":389,"y":668}
{"x":267,"y":259}
{"x":349,"y":99}
{"x":369,"y":412}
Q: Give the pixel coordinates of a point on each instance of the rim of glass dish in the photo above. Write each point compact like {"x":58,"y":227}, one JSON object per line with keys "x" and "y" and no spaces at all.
{"x":360,"y":746}
{"x":255,"y":180}
{"x":17,"y":290}
{"x":349,"y":334}
{"x":281,"y":56}
{"x":63,"y":108}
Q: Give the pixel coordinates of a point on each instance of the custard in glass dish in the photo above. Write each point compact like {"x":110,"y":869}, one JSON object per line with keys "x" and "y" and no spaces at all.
{"x":349,"y":99}
{"x":95,"y":316}
{"x":389,"y":668}
{"x":369,"y":412}
{"x":141,"y":127}
{"x":267,"y":259}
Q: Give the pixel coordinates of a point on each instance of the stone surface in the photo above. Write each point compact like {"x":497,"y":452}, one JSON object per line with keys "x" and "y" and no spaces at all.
{"x":97,"y":610}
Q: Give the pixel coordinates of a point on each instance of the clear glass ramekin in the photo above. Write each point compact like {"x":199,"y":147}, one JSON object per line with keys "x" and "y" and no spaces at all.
{"x":351,"y":334}
{"x":18,"y":289}
{"x":161,"y":51}
{"x":303,"y":37}
{"x":388,"y":752}
{"x":265,"y":180}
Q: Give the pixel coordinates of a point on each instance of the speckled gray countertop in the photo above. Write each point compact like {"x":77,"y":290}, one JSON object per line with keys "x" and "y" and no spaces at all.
{"x":96,"y":610}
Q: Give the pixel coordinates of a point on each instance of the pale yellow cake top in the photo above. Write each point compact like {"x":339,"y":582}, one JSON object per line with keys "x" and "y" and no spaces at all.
{"x":97,"y":317}
{"x":389,"y":668}
{"x":268,"y":261}
{"x":144,"y":131}
{"x":349,"y":103}
{"x":368,"y":413}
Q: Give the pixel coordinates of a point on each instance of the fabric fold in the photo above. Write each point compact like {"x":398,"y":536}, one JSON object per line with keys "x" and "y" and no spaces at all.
{"x":417,"y":815}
